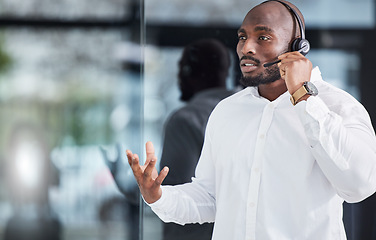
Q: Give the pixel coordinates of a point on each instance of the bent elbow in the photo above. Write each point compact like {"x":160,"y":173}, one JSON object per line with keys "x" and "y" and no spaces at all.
{"x":360,"y":184}
{"x":359,"y":192}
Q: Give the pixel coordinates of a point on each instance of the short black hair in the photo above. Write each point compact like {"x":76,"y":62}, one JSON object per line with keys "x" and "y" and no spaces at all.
{"x":204,"y":64}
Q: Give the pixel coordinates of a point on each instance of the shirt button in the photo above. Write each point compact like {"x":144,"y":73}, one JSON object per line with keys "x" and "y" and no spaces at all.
{"x":256,"y":170}
{"x":262,"y":136}
{"x":252,"y":204}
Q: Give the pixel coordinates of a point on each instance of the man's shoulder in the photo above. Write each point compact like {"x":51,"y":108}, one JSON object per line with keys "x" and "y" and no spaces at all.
{"x":227,"y":106}
{"x":333,"y":94}
{"x":235,"y":96}
{"x":334,"y":97}
{"x":233,"y":99}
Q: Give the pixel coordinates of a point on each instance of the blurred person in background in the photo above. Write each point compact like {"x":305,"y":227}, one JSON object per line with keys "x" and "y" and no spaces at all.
{"x":203,"y":71}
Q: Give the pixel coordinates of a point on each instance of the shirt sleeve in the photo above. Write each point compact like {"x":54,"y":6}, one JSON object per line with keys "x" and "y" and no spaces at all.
{"x":183,"y":204}
{"x":343,"y":143}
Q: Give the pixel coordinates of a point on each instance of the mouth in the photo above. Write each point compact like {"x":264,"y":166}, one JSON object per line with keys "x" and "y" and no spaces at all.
{"x":248,"y":65}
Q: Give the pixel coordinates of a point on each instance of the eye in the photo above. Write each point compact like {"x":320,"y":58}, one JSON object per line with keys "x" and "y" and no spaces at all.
{"x":264,"y":38}
{"x":241,"y":38}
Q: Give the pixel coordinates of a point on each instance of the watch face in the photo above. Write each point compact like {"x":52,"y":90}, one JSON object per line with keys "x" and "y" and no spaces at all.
{"x":311,"y":88}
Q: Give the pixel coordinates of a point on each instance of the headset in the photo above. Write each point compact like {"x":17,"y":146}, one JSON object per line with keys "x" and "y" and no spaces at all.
{"x":300,"y":44}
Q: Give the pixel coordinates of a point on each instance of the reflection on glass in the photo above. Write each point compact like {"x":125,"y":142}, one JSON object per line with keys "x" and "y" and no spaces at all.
{"x":203,"y":71}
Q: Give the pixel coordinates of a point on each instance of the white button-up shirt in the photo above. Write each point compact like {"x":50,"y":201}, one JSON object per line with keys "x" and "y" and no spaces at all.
{"x":271,"y":170}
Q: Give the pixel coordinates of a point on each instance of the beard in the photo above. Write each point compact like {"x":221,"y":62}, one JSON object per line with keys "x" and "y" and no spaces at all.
{"x":271,"y":74}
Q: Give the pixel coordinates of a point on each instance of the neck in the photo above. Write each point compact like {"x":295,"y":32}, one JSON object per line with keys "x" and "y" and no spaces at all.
{"x":272,"y":91}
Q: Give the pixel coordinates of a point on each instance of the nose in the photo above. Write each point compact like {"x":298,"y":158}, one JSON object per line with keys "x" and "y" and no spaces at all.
{"x":247,"y":47}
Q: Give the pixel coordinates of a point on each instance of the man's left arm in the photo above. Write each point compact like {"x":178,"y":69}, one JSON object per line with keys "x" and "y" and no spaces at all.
{"x":341,"y":136}
{"x":343,"y":144}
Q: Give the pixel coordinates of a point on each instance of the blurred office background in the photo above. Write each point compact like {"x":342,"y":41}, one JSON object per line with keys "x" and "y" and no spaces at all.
{"x":79,"y":77}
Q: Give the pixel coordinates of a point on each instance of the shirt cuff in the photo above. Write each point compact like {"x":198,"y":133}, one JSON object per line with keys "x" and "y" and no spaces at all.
{"x":162,"y":202}
{"x":312,"y":110}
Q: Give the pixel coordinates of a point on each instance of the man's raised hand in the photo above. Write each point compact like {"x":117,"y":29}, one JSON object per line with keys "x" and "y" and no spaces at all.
{"x":147,"y":176}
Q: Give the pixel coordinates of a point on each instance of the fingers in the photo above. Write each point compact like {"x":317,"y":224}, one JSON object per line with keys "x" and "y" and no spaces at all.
{"x":149,"y":168}
{"x":148,"y":172}
{"x":149,"y":147}
{"x":162,"y":175}
{"x":289,"y":57}
{"x":134,"y":162}
{"x":150,"y":152}
{"x":293,"y":59}
{"x":290,"y":54}
{"x":130,"y":157}
{"x":294,"y":69}
{"x":147,"y":177}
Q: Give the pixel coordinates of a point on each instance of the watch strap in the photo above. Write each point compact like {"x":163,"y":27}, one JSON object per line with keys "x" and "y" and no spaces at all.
{"x":298,"y":94}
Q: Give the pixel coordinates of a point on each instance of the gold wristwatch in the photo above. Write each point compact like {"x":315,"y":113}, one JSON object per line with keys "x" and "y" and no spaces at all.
{"x":307,"y":88}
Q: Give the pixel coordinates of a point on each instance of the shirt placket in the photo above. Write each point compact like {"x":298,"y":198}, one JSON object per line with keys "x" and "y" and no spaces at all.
{"x":256,"y":171}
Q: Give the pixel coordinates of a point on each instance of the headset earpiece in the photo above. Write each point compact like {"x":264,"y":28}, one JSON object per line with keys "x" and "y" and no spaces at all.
{"x":301,"y":45}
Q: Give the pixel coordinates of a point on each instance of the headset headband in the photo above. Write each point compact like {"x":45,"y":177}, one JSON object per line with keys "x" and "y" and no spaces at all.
{"x":302,"y":34}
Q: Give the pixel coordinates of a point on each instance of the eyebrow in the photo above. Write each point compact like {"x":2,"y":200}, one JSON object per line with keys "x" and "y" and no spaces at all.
{"x":263,"y":28}
{"x":241,"y":30}
{"x":258,"y":28}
